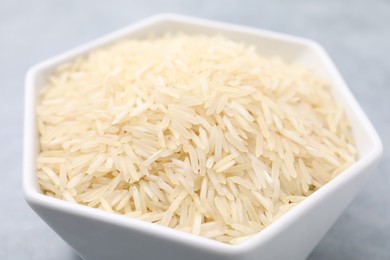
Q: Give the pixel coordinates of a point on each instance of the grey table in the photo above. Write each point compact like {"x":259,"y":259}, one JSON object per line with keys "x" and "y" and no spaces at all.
{"x":355,"y":33}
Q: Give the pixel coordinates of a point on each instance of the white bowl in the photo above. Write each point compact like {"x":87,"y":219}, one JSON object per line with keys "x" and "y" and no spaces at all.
{"x":96,"y":234}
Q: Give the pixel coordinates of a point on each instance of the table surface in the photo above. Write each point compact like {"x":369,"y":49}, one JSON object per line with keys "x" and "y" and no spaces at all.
{"x":355,"y":33}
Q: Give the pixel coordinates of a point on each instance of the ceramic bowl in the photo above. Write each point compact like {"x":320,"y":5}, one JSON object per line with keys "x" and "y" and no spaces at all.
{"x":96,"y":234}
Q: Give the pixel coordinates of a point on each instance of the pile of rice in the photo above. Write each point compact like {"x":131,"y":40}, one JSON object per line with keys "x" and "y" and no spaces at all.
{"x":197,"y":133}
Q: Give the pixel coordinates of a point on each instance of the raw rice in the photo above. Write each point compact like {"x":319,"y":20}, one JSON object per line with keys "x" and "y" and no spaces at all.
{"x":197,"y":133}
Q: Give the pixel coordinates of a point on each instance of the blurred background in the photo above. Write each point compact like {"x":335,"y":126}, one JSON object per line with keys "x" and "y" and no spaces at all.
{"x":356,"y":34}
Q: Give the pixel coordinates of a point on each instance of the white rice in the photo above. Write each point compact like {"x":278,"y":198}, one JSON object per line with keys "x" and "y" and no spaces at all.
{"x":200,"y":134}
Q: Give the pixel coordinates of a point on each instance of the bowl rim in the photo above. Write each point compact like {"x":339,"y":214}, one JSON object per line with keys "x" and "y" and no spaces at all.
{"x":34,"y":197}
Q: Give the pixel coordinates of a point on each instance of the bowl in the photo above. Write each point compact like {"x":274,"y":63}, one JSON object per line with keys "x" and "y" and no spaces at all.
{"x":96,"y":234}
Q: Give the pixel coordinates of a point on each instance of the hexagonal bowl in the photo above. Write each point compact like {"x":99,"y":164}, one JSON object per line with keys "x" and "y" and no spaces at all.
{"x":96,"y":234}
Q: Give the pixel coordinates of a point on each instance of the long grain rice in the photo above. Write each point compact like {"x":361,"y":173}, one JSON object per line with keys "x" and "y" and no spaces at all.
{"x":200,"y":134}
